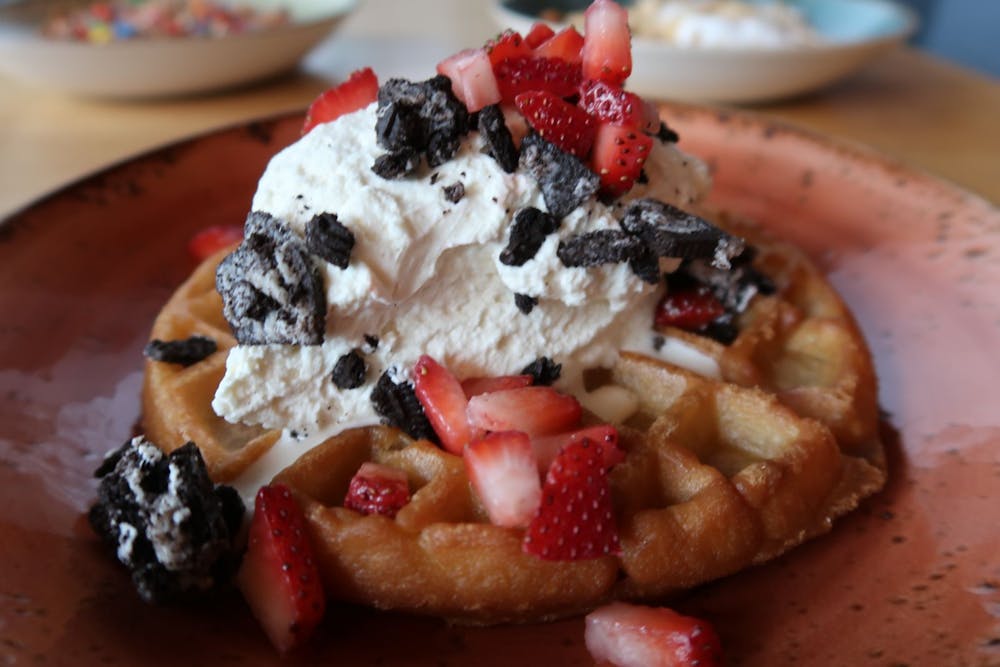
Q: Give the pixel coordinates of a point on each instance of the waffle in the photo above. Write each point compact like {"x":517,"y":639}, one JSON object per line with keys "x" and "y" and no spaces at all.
{"x":719,"y":474}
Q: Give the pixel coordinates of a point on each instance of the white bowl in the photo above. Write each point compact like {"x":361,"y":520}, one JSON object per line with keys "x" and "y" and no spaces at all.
{"x":856,"y":31}
{"x":147,"y":68}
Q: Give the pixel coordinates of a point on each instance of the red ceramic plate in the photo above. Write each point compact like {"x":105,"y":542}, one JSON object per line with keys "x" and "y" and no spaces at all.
{"x":912,"y":578}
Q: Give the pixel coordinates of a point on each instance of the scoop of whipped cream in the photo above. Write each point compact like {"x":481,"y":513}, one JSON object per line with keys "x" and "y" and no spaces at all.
{"x":425,"y":277}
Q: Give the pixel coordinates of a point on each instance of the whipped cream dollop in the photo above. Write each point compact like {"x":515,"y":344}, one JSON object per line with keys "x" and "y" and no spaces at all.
{"x":425,"y":277}
{"x":722,"y":23}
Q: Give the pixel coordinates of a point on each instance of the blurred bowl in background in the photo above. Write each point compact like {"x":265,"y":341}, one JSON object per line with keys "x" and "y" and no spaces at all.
{"x":161,"y":67}
{"x":854,"y":31}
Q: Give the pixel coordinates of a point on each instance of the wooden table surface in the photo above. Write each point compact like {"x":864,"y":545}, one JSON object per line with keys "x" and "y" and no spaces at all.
{"x":921,"y":110}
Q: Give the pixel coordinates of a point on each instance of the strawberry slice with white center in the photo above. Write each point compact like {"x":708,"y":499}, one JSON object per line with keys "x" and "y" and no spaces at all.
{"x":575,"y":519}
{"x":444,"y":403}
{"x":503,"y":471}
{"x":627,"y":635}
{"x":618,"y":157}
{"x":547,"y":447}
{"x":567,"y":126}
{"x":360,"y":90}
{"x":472,"y":78}
{"x":378,"y":489}
{"x":484,"y":385}
{"x":609,"y":103}
{"x":279,"y":577}
{"x":533,"y":410}
{"x":565,"y":45}
{"x":607,"y":51}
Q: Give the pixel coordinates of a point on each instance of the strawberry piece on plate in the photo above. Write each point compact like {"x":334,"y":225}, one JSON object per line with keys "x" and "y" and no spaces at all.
{"x":548,"y":447}
{"x":503,"y":471}
{"x":627,"y":635}
{"x":521,"y":75}
{"x":378,"y":489}
{"x":606,"y":52}
{"x":472,"y":78}
{"x":611,"y":104}
{"x":279,"y":577}
{"x":360,"y":90}
{"x":444,"y":403}
{"x":575,"y":519}
{"x":567,"y":126}
{"x":533,"y":410}
{"x":688,"y":308}
{"x":212,"y":239}
{"x":618,"y":156}
{"x":564,"y":45}
{"x":484,"y":385}
{"x":538,"y":34}
{"x":508,"y":44}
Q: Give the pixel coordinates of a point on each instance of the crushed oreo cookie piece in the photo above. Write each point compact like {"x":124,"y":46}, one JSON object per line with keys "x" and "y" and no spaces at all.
{"x":371,"y":343}
{"x":722,"y":329}
{"x":527,"y":234}
{"x":454,"y":192}
{"x":166,"y":521}
{"x":604,"y":246}
{"x":272,"y":291}
{"x":646,"y":265}
{"x":666,"y":135}
{"x":399,"y":406}
{"x":734,"y":288}
{"x":184,"y":352}
{"x":396,"y":164}
{"x":564,"y":180}
{"x":349,"y":371}
{"x":496,"y":135}
{"x":329,"y":239}
{"x":543,"y":371}
{"x":658,"y":342}
{"x":670,"y":232}
{"x":525,"y":303}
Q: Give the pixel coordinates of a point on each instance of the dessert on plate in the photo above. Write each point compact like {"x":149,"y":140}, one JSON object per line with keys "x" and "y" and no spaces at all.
{"x":482,"y":354}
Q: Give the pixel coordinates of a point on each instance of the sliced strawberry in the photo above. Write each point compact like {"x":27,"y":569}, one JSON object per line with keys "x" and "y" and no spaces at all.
{"x":444,"y":403}
{"x":508,"y":44}
{"x":533,"y":410}
{"x":618,"y":156}
{"x":688,"y":308}
{"x":564,"y":45}
{"x":548,"y":447}
{"x":503,"y":471}
{"x":475,"y":386}
{"x":567,"y":126}
{"x":378,"y":489}
{"x":575,"y":519}
{"x":516,"y":123}
{"x":472,"y":78}
{"x":629,"y":635}
{"x":279,"y":577}
{"x":521,"y":75}
{"x":212,"y":239}
{"x":607,"y":53}
{"x":538,"y":34}
{"x":609,"y":103}
{"x":360,"y":90}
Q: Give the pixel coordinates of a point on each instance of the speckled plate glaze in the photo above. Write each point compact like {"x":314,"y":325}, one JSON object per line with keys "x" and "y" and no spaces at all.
{"x":913,"y":578}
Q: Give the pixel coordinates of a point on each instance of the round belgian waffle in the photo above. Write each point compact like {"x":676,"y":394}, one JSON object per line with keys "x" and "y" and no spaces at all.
{"x":718,"y":474}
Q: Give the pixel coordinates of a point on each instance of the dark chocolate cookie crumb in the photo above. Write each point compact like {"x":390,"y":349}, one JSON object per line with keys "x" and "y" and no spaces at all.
{"x":564,"y":180}
{"x":604,"y":246}
{"x":349,"y":371}
{"x":658,"y":342}
{"x":272,"y":291}
{"x":525,"y":303}
{"x":666,"y":135}
{"x":371,"y":343}
{"x":184,"y":352}
{"x":722,"y":329}
{"x":396,"y":164}
{"x":329,"y":239}
{"x":527,"y":234}
{"x":398,"y":406}
{"x":543,"y":371}
{"x":496,"y":135}
{"x":670,"y":232}
{"x":454,"y":192}
{"x":166,"y":521}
